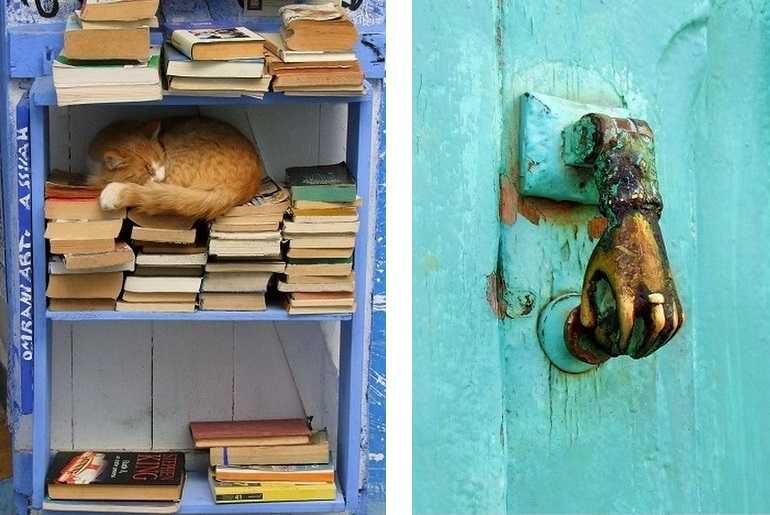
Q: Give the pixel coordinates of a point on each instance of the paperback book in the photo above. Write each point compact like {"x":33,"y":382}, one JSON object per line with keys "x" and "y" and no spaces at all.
{"x":316,"y":451}
{"x":269,"y":491}
{"x":69,"y":72}
{"x":177,"y":64}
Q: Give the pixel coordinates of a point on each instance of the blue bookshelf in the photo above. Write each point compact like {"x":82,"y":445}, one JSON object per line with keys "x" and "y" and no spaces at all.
{"x":197,"y":497}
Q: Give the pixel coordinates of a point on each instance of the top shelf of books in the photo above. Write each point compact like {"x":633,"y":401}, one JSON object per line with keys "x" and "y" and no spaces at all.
{"x":43,"y":93}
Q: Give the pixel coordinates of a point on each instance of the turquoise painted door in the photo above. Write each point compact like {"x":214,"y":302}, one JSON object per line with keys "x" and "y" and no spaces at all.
{"x":496,"y":427}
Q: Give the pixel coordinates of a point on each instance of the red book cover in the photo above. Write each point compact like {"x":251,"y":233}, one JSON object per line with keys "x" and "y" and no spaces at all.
{"x":234,"y":433}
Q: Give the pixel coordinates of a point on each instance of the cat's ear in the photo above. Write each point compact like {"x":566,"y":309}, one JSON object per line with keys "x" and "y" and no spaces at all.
{"x":151,"y":129}
{"x":113,"y":159}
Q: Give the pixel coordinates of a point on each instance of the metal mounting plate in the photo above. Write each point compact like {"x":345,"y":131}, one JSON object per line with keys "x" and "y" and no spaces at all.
{"x":543,"y":171}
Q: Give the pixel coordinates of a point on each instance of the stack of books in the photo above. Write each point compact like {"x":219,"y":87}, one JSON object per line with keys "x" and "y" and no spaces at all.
{"x":320,"y":234}
{"x":107,"y":56}
{"x":220,"y":61}
{"x":244,"y":249}
{"x":169,"y":264}
{"x":86,"y":258}
{"x":266,"y":460}
{"x":115,"y":481}
{"x":312,"y":54}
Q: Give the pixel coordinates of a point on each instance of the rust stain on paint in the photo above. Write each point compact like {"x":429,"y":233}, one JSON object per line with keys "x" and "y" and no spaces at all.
{"x":536,"y":209}
{"x":596,"y":227}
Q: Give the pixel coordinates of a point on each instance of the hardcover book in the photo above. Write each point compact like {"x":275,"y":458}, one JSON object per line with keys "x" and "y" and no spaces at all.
{"x":219,"y":43}
{"x":325,"y":183}
{"x":118,"y":476}
{"x":206,"y":434}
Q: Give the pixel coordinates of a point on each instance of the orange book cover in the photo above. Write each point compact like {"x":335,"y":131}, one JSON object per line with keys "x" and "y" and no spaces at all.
{"x":205,"y":434}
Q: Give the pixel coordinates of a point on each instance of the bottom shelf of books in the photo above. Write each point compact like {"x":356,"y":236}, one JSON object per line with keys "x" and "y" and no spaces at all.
{"x":197,"y":498}
{"x":157,"y":482}
{"x":237,"y":466}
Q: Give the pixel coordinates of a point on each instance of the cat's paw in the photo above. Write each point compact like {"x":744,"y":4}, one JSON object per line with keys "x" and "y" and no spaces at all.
{"x":110,"y":196}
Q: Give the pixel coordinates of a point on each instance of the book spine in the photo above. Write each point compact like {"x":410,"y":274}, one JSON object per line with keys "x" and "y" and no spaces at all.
{"x":24,"y":346}
{"x":275,"y":494}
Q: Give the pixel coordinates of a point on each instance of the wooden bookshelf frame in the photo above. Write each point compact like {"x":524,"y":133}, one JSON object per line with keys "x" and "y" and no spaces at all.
{"x":354,"y":328}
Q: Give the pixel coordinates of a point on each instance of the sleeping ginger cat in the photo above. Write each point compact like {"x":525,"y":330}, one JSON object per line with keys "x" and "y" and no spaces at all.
{"x":189,"y":166}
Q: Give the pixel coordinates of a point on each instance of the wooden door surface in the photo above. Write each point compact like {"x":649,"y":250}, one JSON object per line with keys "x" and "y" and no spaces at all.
{"x":496,"y":427}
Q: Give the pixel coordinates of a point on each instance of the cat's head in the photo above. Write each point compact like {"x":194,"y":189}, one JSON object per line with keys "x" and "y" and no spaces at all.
{"x":127,"y":151}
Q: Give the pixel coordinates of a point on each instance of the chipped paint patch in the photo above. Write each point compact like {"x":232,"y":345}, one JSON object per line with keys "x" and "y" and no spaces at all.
{"x":508,"y":200}
{"x":378,"y":303}
{"x":495,"y":286}
{"x":378,"y":456}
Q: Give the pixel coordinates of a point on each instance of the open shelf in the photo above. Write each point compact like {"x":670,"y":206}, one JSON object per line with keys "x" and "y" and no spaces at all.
{"x":44,"y":94}
{"x":271,"y":314}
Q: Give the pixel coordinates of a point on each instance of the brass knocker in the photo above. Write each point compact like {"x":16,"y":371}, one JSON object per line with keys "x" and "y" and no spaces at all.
{"x":628,"y":304}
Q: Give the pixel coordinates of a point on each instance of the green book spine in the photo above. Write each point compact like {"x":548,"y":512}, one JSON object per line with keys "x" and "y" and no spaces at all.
{"x":324,"y":193}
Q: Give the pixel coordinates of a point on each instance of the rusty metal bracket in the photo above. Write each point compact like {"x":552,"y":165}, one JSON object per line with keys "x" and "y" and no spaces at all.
{"x":543,"y":169}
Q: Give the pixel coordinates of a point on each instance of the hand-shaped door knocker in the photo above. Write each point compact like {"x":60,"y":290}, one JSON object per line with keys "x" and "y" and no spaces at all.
{"x":628,"y":304}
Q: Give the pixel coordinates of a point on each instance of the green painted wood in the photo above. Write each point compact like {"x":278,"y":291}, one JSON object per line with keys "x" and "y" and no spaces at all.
{"x":457,"y":378}
{"x":679,"y":432}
